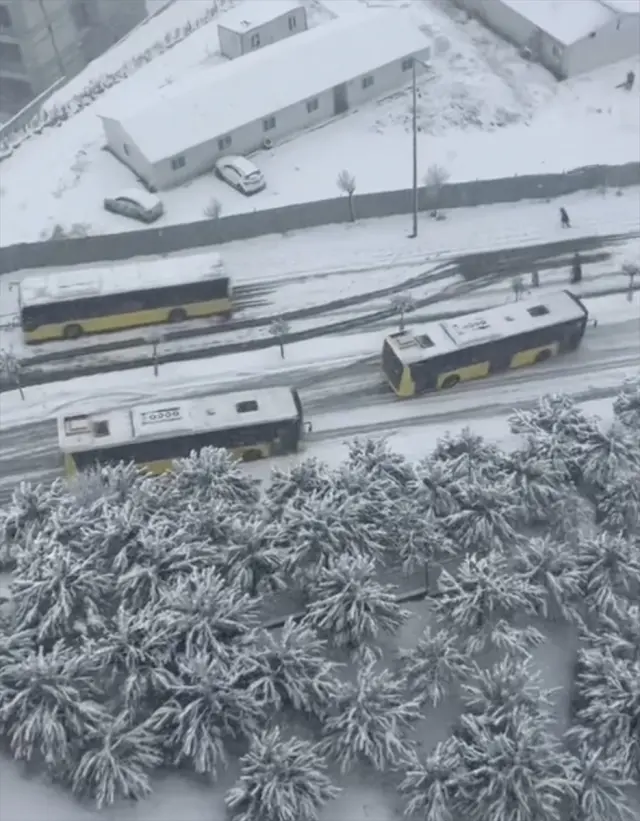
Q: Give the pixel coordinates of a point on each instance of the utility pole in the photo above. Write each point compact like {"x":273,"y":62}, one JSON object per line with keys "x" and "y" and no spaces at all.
{"x":414,"y":129}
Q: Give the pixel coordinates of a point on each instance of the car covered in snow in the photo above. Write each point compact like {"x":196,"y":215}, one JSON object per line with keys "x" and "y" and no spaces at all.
{"x":241,"y":174}
{"x":136,"y":204}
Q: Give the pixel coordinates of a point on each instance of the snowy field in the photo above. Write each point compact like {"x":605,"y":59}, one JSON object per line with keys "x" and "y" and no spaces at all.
{"x":364,"y":794}
{"x":312,"y":268}
{"x":481,"y":101}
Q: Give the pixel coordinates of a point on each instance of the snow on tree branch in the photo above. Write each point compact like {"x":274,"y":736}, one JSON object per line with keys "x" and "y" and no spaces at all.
{"x":618,"y":507}
{"x":435,"y":667}
{"x":430,"y":786}
{"x":600,"y":788}
{"x":250,"y":560}
{"x":627,"y":404}
{"x":486,"y":518}
{"x":280,"y":780}
{"x":291,"y":670}
{"x":215,"y":474}
{"x":349,"y":606}
{"x":292,"y":486}
{"x":537,"y":482}
{"x":611,"y":568}
{"x":370,"y":720}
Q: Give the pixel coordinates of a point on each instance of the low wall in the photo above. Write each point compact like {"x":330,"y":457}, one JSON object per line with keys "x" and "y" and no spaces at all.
{"x":26,"y":114}
{"x":113,"y":247}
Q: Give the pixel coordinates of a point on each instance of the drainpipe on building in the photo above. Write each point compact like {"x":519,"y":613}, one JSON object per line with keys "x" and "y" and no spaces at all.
{"x":53,"y":39}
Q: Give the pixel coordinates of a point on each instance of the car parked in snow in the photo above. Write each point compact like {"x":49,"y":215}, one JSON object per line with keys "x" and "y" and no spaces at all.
{"x":136,"y":204}
{"x":241,"y":174}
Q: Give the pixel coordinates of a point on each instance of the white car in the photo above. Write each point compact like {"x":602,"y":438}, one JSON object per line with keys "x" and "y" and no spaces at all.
{"x":241,"y":174}
{"x":136,"y":204}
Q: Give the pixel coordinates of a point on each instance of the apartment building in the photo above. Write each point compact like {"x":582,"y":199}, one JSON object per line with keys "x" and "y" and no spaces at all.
{"x":44,"y":40}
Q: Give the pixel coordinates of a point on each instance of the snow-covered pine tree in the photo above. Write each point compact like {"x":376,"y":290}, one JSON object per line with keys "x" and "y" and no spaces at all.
{"x":423,"y":541}
{"x":606,"y":708}
{"x":378,"y":463}
{"x":291,"y":669}
{"x":252,"y":559}
{"x":280,"y":780}
{"x":291,"y":486}
{"x":349,"y":606}
{"x":370,"y":720}
{"x":482,"y":598}
{"x":208,"y":520}
{"x":201,"y":613}
{"x":521,"y":775}
{"x":627,"y":404}
{"x":29,"y":508}
{"x":554,"y":414}
{"x":618,"y":506}
{"x":609,"y":455}
{"x":48,"y":703}
{"x":59,"y":594}
{"x":468,"y":454}
{"x":610,"y":565}
{"x":436,"y":487}
{"x":486,"y":517}
{"x":430,"y":786}
{"x":504,"y":694}
{"x":213,"y":473}
{"x":435,"y":667}
{"x":205,"y":707}
{"x":537,"y":482}
{"x":111,"y":534}
{"x":118,"y":756}
{"x":553,"y":567}
{"x":600,"y":788}
{"x":133,"y":660}
{"x":164,"y":555}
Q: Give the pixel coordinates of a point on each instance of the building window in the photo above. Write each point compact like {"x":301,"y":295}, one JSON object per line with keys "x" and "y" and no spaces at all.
{"x":269,"y":123}
{"x":293,"y":23}
{"x":312,"y":105}
{"x":11,"y":56}
{"x":5,"y":18}
{"x":125,"y":148}
{"x":255,"y":41}
{"x":224,"y":142}
{"x":178,"y":162}
{"x":407,"y":64}
{"x":367,"y":81}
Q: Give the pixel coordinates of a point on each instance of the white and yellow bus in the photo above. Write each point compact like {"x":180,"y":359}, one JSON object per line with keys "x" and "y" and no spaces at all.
{"x":252,"y":425}
{"x":440,"y":355}
{"x":68,"y":304}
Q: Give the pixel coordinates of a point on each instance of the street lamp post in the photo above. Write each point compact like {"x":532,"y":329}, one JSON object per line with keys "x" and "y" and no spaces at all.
{"x":414,"y":129}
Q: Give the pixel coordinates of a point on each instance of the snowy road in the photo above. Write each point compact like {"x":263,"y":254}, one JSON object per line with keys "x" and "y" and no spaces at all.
{"x":353,"y":400}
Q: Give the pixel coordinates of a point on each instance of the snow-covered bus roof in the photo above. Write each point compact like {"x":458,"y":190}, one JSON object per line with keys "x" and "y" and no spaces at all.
{"x":170,"y":418}
{"x":438,"y":338}
{"x":67,"y":285}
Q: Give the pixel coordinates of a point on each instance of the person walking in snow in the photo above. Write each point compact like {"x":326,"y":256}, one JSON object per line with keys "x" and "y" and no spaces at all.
{"x":576,"y":270}
{"x":564,"y":218}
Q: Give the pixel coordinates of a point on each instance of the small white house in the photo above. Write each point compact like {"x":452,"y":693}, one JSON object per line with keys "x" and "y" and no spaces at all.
{"x":259,"y":23}
{"x":568,"y":37}
{"x":247,"y":104}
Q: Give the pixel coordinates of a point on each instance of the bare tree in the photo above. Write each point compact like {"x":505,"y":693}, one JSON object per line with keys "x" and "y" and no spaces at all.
{"x":402,"y":304}
{"x":434,"y":181}
{"x":631,"y":269}
{"x":11,"y":368}
{"x":346,"y":182}
{"x":155,"y":338}
{"x":279,"y":329}
{"x":213,"y":210}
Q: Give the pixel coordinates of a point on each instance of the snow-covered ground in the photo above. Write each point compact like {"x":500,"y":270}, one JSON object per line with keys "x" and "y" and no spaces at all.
{"x":318,"y":266}
{"x":482,"y":101}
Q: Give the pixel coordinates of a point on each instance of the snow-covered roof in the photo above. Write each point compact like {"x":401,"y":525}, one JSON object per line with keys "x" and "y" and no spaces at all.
{"x":567,"y":21}
{"x":78,"y":433}
{"x":251,"y":14}
{"x":221,"y":99}
{"x":623,"y":6}
{"x":68,"y":285}
{"x":437,"y":338}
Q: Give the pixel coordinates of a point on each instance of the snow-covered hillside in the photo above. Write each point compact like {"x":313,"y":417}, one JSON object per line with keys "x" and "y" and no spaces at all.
{"x":484,"y":112}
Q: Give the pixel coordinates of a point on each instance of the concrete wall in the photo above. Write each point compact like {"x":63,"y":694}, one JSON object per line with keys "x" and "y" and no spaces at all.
{"x":304,"y":215}
{"x":616,"y":41}
{"x":251,"y":137}
{"x":123,"y":147}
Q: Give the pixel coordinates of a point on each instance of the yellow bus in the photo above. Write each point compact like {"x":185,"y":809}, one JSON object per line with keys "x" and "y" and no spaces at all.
{"x":67,"y":305}
{"x":440,"y":355}
{"x":252,"y":425}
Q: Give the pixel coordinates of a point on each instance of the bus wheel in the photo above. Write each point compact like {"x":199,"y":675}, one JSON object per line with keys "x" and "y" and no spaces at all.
{"x":542,"y":356}
{"x":450,"y":381}
{"x":72,"y":331}
{"x":177,"y":315}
